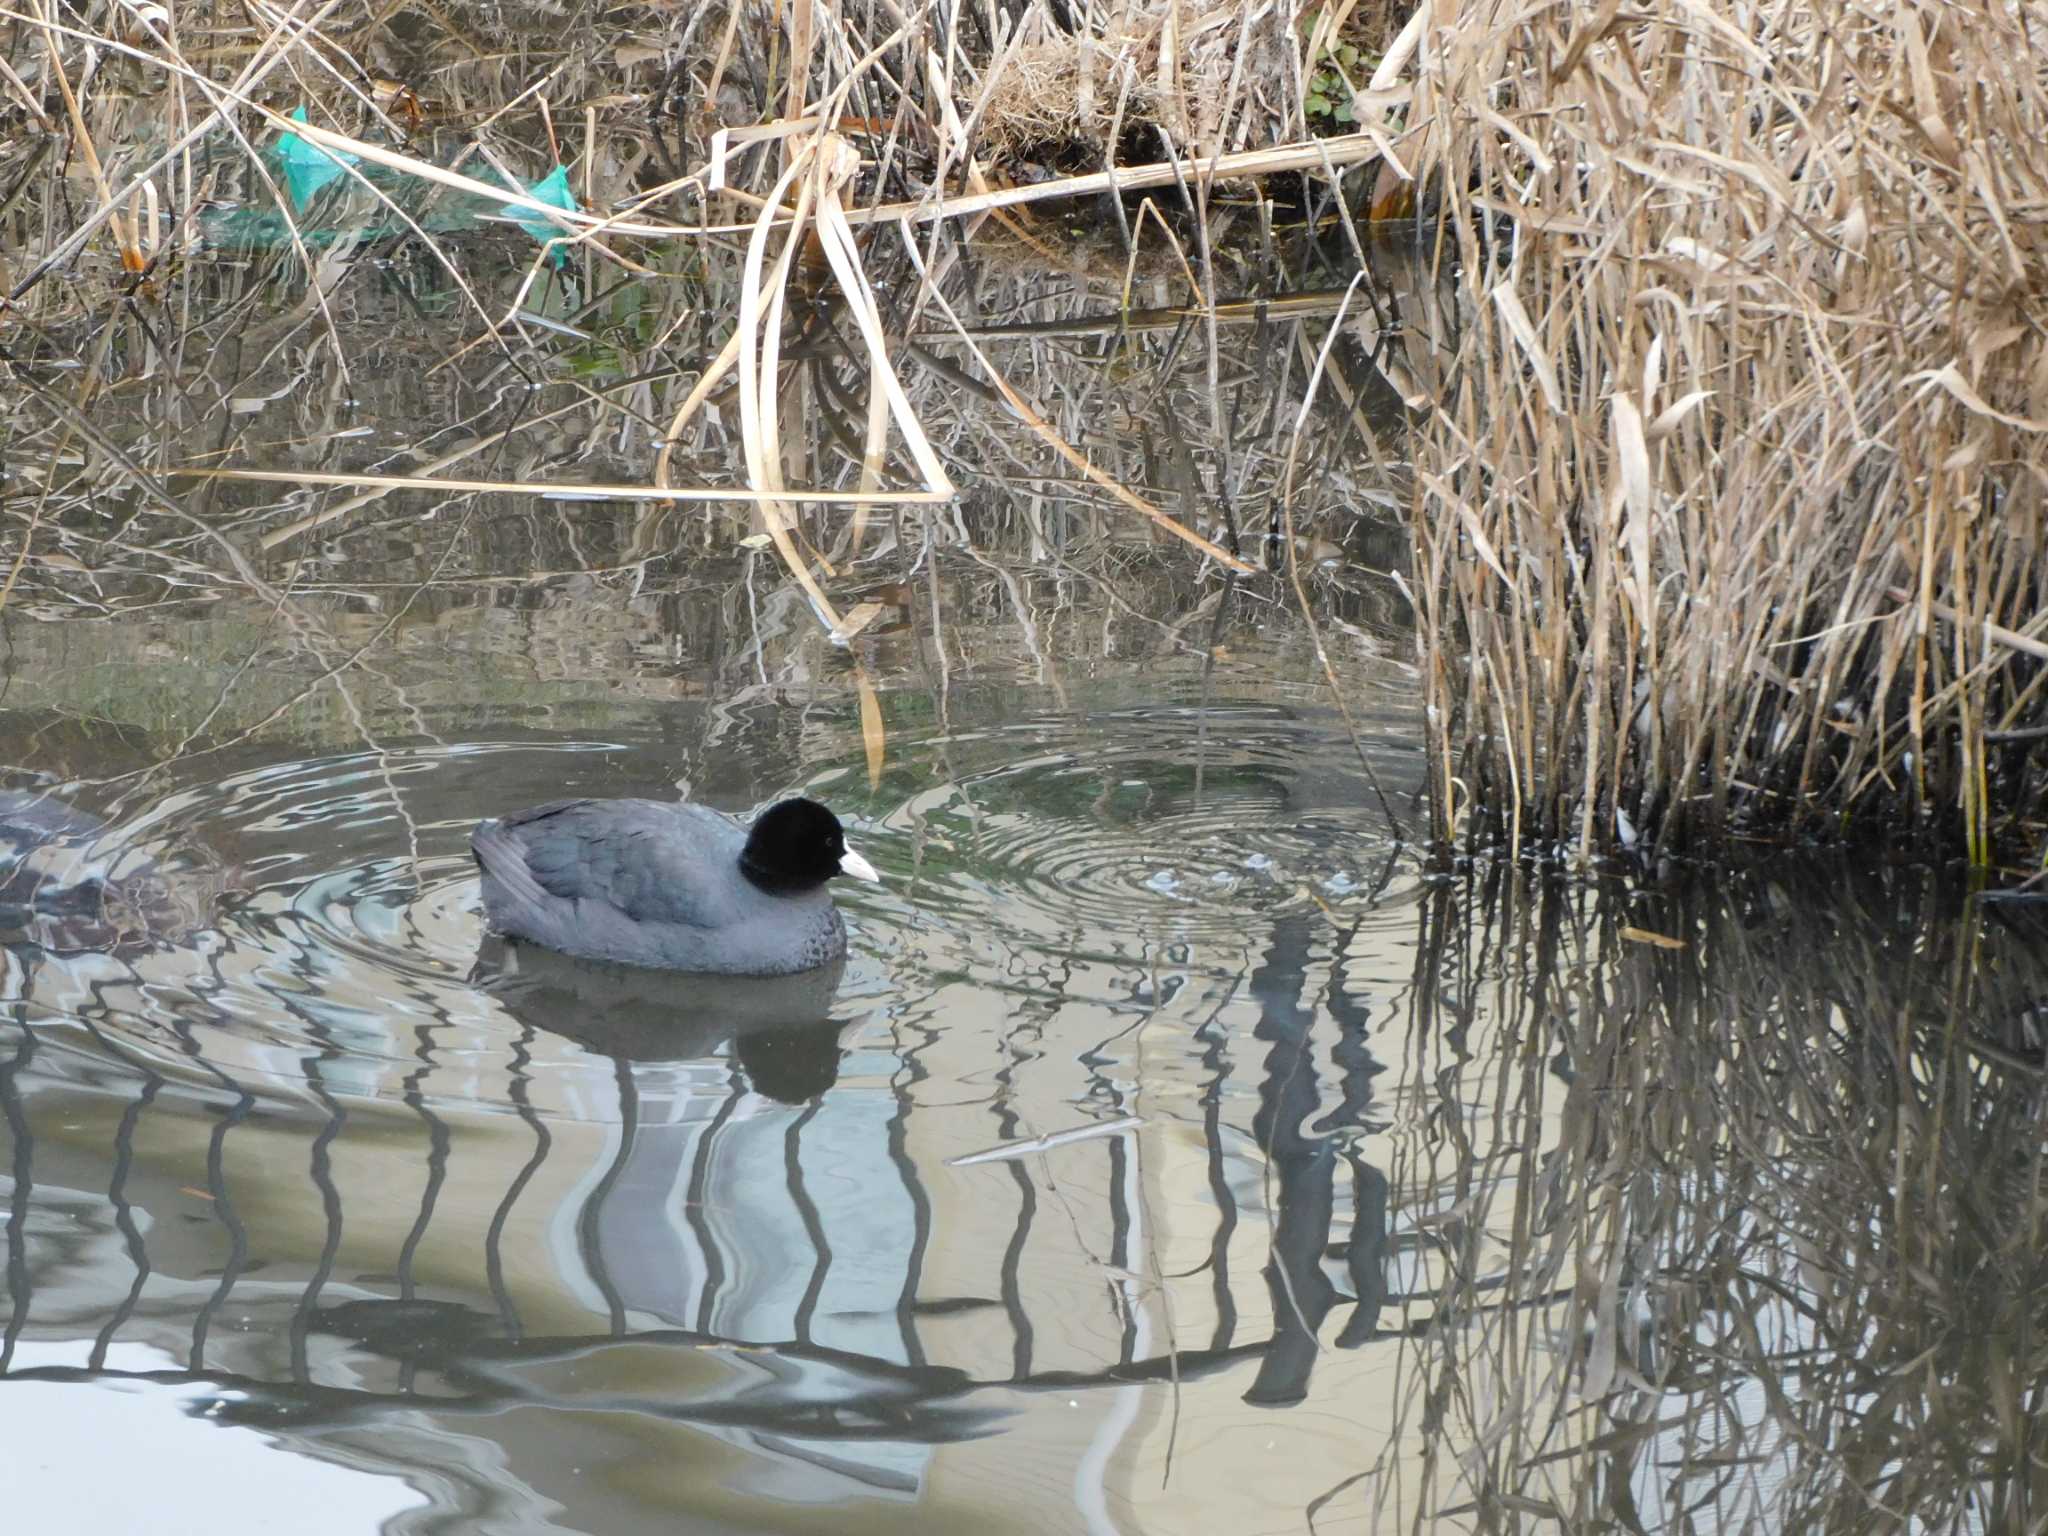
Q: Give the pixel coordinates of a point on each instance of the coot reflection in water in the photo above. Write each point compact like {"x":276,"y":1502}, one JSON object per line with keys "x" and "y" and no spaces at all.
{"x":780,"y":1027}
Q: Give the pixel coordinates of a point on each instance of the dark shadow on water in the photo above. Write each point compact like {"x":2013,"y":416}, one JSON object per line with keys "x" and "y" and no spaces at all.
{"x":1304,"y":1161}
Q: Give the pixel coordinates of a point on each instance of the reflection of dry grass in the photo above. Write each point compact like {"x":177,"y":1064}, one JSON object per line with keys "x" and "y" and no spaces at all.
{"x":685,"y":145}
{"x":490,"y":609}
{"x":1748,"y":1229}
{"x":383,"y":573}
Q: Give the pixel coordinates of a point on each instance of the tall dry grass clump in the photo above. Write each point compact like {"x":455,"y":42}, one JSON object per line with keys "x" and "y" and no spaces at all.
{"x":1730,"y":517}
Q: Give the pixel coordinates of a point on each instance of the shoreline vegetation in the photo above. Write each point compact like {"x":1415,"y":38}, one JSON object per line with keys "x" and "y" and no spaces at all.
{"x":1716,"y":385}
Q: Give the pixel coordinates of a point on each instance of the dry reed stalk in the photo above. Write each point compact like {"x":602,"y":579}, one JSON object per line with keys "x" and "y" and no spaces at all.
{"x":1764,"y":342}
{"x":1251,"y":164}
{"x":567,"y":490}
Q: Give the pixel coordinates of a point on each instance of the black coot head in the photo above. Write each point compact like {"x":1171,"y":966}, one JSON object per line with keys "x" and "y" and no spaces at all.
{"x":797,"y":845}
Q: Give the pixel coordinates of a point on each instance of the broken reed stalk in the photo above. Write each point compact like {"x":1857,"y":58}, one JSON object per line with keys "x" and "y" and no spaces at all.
{"x":1760,"y":345}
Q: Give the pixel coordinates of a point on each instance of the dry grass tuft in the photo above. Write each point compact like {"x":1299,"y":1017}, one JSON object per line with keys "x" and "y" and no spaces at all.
{"x":1729,"y":517}
{"x":1206,"y":78}
{"x":1048,"y":103}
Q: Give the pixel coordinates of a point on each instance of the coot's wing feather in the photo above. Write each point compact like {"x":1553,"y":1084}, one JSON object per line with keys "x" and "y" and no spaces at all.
{"x":653,"y":862}
{"x":513,"y":898}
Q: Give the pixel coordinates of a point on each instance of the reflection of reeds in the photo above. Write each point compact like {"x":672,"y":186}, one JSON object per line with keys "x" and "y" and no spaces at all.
{"x":1749,"y":1229}
{"x":469,"y":594}
{"x":733,"y":324}
{"x":1632,"y":1207}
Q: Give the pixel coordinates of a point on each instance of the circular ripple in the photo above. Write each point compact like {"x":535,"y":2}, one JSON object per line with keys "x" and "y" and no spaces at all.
{"x":1144,"y":825}
{"x":337,"y":921}
{"x":339,"y":929}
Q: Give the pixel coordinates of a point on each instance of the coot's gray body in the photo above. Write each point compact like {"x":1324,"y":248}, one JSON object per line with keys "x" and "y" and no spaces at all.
{"x":678,"y":887}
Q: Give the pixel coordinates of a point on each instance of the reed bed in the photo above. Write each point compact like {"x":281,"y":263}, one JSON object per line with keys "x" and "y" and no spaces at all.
{"x":1729,"y":519}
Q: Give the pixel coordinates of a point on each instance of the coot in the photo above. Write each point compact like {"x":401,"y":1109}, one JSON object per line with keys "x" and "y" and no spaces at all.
{"x":679,"y":887}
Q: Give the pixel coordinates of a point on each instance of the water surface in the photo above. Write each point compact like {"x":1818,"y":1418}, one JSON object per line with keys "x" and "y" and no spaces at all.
{"x":1369,"y":1194}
